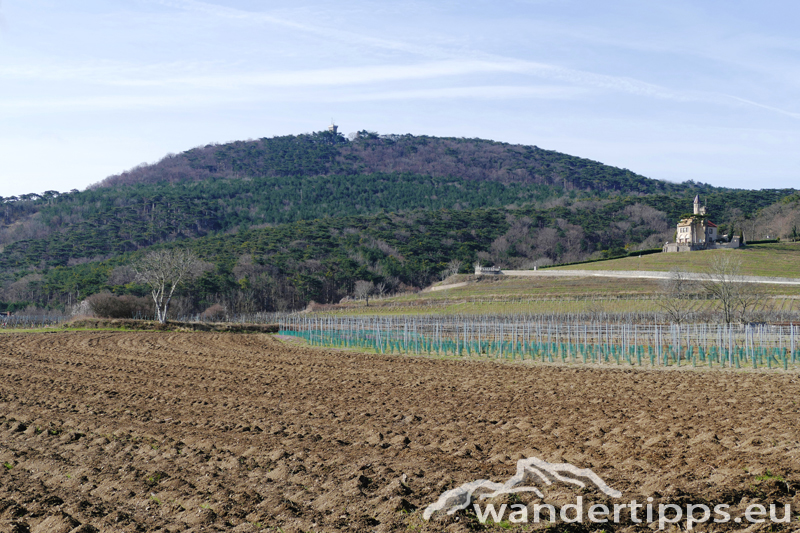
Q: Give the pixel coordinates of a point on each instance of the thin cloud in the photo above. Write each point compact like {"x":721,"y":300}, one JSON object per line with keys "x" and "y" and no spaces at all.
{"x":124,"y":76}
{"x":762,"y":106}
{"x":183,"y":101}
{"x":327,"y":33}
{"x":492,"y":61}
{"x":432,"y":63}
{"x":487,"y":92}
{"x":108,"y":103}
{"x":581,"y":82}
{"x":343,"y":76}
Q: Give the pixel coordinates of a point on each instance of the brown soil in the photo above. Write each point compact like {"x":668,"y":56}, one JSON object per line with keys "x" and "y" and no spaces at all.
{"x":145,"y":431}
{"x":150,"y":325}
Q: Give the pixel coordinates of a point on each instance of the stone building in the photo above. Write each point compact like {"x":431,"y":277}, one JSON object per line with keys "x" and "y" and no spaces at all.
{"x":697,"y":232}
{"x":487,"y":271}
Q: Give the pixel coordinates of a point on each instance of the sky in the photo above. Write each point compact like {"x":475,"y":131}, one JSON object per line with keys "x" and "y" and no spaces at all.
{"x":674,"y":90}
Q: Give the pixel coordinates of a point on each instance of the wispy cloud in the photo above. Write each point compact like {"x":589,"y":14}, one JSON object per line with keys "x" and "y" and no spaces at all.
{"x":450,"y":62}
{"x":363,"y":75}
{"x":24,"y":106}
{"x":163,"y":75}
{"x":319,"y":31}
{"x":486,"y":92}
{"x":421,"y":63}
{"x":427,"y":62}
{"x":762,"y":106}
{"x":360,"y":75}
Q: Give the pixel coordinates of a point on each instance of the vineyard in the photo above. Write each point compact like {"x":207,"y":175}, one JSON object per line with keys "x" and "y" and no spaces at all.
{"x":781,"y":308}
{"x":641,"y":338}
{"x":31,"y":322}
{"x":464,"y":294}
{"x":556,"y":338}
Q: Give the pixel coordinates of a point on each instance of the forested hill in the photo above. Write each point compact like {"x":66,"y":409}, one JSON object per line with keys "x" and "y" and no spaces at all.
{"x":286,"y":266}
{"x":102,"y":222}
{"x":278,"y":180}
{"x":328,"y":154}
{"x":446,"y":200}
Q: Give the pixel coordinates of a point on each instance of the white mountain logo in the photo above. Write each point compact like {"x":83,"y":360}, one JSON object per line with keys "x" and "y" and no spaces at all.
{"x":529,"y":471}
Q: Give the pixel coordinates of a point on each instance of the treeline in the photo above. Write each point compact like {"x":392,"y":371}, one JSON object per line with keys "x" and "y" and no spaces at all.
{"x":101,"y":223}
{"x":289,"y":265}
{"x":288,"y":220}
{"x":219,"y":188}
{"x":116,"y":220}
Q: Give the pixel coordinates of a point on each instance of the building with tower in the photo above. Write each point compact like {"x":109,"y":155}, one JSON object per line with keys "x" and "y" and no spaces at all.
{"x":697,"y":232}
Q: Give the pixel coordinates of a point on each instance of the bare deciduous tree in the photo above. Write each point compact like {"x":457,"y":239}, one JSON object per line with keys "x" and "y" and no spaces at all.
{"x":721,"y":281}
{"x":452,"y":268}
{"x":363,"y":290}
{"x":750,"y":297}
{"x":675,"y":292}
{"x":392,"y":283}
{"x":163,"y":272}
{"x":725,"y":282}
{"x":380,"y":288}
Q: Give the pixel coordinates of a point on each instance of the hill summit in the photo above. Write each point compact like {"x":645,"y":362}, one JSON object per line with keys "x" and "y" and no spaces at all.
{"x":327,"y":153}
{"x":287,"y":220}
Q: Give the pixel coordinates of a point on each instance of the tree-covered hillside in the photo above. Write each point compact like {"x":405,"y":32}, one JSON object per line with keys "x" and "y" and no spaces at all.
{"x":480,"y":200}
{"x":286,"y":266}
{"x":119,"y":219}
{"x":108,"y":221}
{"x":325,"y":153}
{"x":284,"y":179}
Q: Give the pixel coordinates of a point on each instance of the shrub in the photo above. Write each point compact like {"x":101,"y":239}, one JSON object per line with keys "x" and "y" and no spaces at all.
{"x":107,"y":305}
{"x":215,"y":312}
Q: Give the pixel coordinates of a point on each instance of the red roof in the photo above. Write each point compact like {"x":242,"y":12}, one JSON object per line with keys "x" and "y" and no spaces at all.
{"x":712,"y":224}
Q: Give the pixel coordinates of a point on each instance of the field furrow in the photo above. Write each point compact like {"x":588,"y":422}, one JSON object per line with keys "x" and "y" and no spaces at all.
{"x":223,"y":432}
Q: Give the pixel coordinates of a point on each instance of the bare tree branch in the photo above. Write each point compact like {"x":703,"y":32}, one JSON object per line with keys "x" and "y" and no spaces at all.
{"x":164,"y":271}
{"x":675,"y":293}
{"x":363,"y":290}
{"x":721,"y":281}
{"x":452,"y":268}
{"x":737,"y":299}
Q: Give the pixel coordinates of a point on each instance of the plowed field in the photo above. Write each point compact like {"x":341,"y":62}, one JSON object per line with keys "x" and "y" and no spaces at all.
{"x":225,"y":432}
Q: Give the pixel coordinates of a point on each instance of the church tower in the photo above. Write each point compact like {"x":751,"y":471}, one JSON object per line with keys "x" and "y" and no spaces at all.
{"x":698,"y":210}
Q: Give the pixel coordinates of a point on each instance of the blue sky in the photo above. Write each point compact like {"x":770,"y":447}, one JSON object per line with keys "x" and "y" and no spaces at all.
{"x":673,"y":90}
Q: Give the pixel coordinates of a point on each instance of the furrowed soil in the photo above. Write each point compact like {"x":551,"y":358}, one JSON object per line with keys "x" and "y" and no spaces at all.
{"x":148,"y":431}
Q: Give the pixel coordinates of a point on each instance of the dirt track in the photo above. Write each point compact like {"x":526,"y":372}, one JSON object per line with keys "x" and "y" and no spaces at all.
{"x":225,"y":432}
{"x":640,"y":274}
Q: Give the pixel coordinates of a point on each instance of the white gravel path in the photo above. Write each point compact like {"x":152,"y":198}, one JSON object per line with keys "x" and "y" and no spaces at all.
{"x":637,"y":274}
